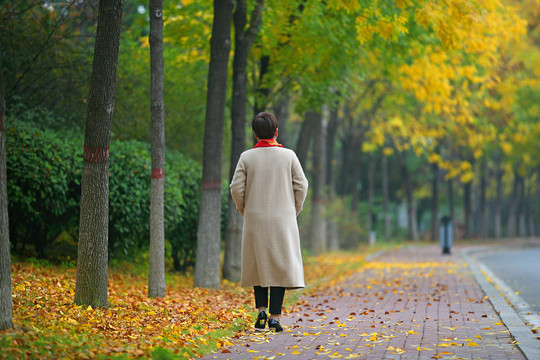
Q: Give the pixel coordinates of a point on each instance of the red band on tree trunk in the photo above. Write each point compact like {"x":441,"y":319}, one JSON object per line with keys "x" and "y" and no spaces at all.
{"x":158,"y":173}
{"x":211,"y":184}
{"x":95,"y":154}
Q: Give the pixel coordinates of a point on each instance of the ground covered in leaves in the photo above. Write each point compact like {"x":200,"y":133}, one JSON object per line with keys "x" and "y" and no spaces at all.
{"x":412,"y":303}
{"x":187,"y":323}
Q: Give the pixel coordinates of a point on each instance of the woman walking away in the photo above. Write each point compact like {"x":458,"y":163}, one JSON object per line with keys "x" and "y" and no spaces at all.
{"x":269,"y":188}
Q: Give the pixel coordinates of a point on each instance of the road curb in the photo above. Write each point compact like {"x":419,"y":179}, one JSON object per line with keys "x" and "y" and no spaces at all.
{"x":526,"y":341}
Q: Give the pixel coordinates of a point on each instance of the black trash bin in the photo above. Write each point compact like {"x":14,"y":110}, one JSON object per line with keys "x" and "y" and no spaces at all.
{"x":446,"y":234}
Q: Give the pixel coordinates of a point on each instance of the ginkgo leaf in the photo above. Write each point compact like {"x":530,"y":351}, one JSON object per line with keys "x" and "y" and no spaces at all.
{"x":296,"y":352}
{"x":335,"y":355}
{"x":472,"y":343}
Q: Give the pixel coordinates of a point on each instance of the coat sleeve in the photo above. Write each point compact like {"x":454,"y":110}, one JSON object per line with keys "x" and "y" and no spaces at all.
{"x":300,"y":185}
{"x":238,"y":186}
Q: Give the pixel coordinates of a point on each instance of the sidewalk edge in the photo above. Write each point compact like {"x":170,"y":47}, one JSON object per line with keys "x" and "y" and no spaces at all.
{"x":526,"y":341}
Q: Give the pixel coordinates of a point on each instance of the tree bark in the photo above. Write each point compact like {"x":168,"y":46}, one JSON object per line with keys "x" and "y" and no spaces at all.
{"x":344,"y":186}
{"x":6,"y":302}
{"x":207,"y":267}
{"x":305,"y":137}
{"x":332,"y":235}
{"x":411,"y":211}
{"x":434,"y":202}
{"x":156,"y":272}
{"x":261,"y":93}
{"x":356,"y":175}
{"x":451,"y":202}
{"x":483,"y":219}
{"x":521,"y":208}
{"x":92,"y":261}
{"x":512,"y":213}
{"x":243,"y":41}
{"x":281,"y":110}
{"x":387,"y":225}
{"x":467,"y":210}
{"x":498,"y":201}
{"x":371,"y":196}
{"x":317,"y":223}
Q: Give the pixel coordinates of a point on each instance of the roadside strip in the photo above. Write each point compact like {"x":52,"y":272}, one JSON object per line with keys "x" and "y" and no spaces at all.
{"x":527,"y":342}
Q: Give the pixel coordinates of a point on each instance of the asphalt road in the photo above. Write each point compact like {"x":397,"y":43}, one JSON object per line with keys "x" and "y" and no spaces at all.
{"x":520,"y":270}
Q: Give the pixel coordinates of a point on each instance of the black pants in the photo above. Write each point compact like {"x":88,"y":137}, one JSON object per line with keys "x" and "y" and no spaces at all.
{"x":276,"y":298}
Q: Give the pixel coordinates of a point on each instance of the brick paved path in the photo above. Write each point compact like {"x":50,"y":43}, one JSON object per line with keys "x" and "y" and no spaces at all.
{"x":409,"y":304}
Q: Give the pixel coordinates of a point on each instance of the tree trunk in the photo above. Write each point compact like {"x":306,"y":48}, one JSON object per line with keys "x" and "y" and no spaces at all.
{"x":467,"y":210}
{"x":512,"y":212}
{"x":156,"y":271}
{"x":243,"y":41}
{"x":332,"y":235}
{"x":6,"y":302}
{"x":261,"y":93}
{"x":451,"y":202}
{"x":411,"y":211}
{"x":521,"y":208}
{"x":305,"y":137}
{"x":483,"y":219}
{"x":356,"y":176}
{"x":208,"y":233}
{"x":387,"y":224}
{"x":92,"y":261}
{"x":529,"y":215}
{"x":343,"y":185}
{"x":281,"y":110}
{"x":317,"y":223}
{"x":434,"y":202}
{"x":371,"y":196}
{"x":498,"y":201}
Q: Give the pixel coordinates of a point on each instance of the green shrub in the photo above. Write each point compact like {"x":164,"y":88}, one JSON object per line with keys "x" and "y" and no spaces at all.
{"x":44,"y":172}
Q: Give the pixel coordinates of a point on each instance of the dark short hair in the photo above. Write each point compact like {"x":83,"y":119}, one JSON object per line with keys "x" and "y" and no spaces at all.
{"x":264,"y":125}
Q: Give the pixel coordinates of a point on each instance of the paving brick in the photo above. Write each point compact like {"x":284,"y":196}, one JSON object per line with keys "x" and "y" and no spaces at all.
{"x":412,"y":303}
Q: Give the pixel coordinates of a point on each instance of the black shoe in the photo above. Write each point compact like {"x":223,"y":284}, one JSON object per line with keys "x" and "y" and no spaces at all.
{"x":261,"y":321}
{"x":274,"y":325}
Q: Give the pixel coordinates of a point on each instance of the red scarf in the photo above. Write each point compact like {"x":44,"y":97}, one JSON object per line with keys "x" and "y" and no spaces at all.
{"x":267,"y":143}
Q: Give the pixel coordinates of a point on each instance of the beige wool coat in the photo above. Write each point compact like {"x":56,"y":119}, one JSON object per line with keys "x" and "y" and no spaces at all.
{"x":269,"y":188}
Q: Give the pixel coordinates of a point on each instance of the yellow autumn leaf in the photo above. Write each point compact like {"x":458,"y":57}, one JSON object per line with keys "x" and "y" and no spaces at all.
{"x":335,"y":355}
{"x":295,"y":352}
{"x":478,"y":336}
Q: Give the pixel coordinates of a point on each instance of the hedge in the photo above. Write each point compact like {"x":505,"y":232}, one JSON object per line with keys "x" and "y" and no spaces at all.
{"x":44,"y":175}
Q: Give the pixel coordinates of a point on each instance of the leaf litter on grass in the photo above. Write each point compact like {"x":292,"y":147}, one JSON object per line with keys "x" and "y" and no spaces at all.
{"x":188,"y":322}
